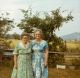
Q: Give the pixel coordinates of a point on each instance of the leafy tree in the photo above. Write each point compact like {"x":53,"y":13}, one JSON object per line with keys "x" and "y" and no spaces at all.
{"x":5,"y":24}
{"x":15,"y":36}
{"x":48,"y":23}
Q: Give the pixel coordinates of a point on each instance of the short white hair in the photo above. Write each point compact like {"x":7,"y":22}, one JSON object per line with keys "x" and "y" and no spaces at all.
{"x":38,"y":30}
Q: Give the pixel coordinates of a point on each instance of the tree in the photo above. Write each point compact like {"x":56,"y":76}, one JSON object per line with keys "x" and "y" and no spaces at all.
{"x":15,"y":36}
{"x":5,"y":25}
{"x":48,"y":23}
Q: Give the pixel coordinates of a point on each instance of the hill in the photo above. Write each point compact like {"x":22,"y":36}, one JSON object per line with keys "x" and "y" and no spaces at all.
{"x":73,"y":36}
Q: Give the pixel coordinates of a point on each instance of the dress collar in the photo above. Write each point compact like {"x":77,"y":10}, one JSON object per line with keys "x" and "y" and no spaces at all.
{"x":21,"y":44}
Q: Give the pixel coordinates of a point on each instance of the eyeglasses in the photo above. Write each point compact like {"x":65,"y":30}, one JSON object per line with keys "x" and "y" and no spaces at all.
{"x":25,"y":37}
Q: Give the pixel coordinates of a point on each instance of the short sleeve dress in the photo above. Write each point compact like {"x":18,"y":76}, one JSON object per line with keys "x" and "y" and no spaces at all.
{"x":38,"y":49}
{"x":24,"y":69}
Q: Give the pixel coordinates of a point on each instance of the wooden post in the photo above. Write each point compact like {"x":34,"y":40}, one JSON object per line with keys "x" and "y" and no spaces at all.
{"x":1,"y":56}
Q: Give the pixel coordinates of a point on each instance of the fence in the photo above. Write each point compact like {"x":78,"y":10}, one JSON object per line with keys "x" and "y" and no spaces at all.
{"x":55,"y":58}
{"x":64,"y":60}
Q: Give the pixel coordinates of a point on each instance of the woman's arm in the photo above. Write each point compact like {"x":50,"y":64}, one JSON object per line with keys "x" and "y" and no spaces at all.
{"x":15,"y":61}
{"x":46,"y":57}
{"x":15,"y":53}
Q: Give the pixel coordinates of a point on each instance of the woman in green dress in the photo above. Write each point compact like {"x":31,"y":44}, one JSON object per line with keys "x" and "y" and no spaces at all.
{"x":22,"y":58}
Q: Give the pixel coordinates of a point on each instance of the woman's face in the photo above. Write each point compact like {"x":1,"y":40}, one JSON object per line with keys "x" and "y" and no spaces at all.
{"x":38,"y":35}
{"x":25,"y":39}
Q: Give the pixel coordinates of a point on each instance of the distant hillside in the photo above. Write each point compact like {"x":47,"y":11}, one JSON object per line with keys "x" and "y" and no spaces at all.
{"x":73,"y":36}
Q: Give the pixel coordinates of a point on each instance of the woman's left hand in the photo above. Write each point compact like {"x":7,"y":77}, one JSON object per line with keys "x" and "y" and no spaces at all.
{"x":45,"y":64}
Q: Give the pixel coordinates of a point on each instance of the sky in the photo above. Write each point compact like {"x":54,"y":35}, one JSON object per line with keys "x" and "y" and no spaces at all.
{"x":14,"y":6}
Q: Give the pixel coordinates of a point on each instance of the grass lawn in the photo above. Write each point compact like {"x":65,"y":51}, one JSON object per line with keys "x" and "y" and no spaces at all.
{"x":61,"y":73}
{"x":6,"y":69}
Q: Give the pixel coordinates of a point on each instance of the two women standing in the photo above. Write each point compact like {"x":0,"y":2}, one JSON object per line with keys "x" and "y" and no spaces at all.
{"x":31,"y":57}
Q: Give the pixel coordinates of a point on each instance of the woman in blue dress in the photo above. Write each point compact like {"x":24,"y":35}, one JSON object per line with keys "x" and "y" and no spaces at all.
{"x":40,"y":56}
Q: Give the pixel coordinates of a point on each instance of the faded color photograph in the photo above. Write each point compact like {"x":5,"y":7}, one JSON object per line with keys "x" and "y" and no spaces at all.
{"x":39,"y":38}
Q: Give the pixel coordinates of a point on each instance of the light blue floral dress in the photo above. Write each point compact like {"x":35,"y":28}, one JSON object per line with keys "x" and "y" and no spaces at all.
{"x":38,"y":49}
{"x":24,"y":62}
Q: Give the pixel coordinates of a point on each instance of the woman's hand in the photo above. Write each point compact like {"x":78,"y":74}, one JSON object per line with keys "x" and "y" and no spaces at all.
{"x":46,"y":58}
{"x":15,"y":66}
{"x":45,"y":64}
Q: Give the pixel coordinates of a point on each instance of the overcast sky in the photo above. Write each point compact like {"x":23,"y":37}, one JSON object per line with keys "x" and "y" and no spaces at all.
{"x":13,"y":6}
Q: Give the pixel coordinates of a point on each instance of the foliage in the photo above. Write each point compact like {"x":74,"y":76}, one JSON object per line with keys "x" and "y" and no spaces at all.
{"x":48,"y":23}
{"x":76,"y":61}
{"x":5,"y":24}
{"x":15,"y":36}
{"x":55,"y":59}
{"x":4,"y":44}
{"x":57,"y":44}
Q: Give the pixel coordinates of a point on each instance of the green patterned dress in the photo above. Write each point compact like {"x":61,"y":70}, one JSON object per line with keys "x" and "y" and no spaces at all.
{"x":24,"y":69}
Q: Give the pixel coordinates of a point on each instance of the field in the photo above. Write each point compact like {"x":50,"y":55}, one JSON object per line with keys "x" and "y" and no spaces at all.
{"x":13,"y":42}
{"x":73,"y":44}
{"x":70,"y":44}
